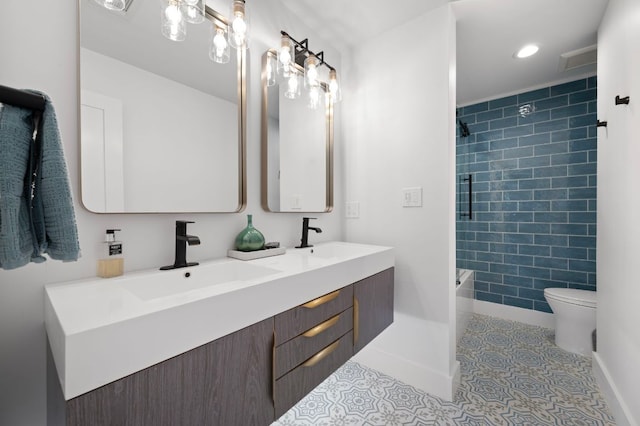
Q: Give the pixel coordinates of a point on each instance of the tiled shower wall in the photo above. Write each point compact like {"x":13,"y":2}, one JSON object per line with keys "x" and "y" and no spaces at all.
{"x":534,"y":194}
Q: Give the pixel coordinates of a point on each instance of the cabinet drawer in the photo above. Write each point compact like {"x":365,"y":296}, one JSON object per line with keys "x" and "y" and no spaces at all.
{"x":296,"y":321}
{"x":292,"y":387}
{"x":297,"y":350}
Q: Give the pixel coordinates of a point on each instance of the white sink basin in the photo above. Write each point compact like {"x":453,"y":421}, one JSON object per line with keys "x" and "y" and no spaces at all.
{"x":175,"y":281}
{"x":337,"y":250}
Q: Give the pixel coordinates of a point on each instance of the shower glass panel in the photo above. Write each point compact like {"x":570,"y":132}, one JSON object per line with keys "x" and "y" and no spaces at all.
{"x":464,"y":194}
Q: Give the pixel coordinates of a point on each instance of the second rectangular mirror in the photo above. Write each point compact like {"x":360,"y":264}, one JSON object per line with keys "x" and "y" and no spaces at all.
{"x":297,"y":147}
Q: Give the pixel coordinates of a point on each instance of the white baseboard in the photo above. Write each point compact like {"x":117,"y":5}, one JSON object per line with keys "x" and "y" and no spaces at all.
{"x":414,"y":351}
{"x":414,"y":374}
{"x":610,"y":391}
{"x":527,"y":316}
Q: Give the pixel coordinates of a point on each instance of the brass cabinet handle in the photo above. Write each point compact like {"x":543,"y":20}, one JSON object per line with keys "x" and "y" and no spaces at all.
{"x":322,"y":354}
{"x":356,"y":320}
{"x":322,"y":300}
{"x":322,"y":327}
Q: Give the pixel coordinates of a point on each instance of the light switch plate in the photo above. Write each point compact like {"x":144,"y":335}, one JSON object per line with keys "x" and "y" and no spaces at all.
{"x":352,"y":209}
{"x":412,"y":197}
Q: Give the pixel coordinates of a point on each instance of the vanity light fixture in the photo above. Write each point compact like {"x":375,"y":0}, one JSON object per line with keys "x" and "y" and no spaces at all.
{"x":219,"y":46}
{"x":292,"y":84}
{"x":311,"y":72}
{"x":174,"y":24}
{"x":194,"y":11}
{"x":335,"y":91}
{"x":271,"y":68}
{"x":115,"y":5}
{"x":175,"y":14}
{"x":286,"y":55}
{"x":293,"y":55}
{"x":526,"y":51}
{"x":239,"y":28}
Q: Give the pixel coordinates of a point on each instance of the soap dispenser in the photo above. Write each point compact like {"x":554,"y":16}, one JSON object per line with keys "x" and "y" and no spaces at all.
{"x":112,"y":263}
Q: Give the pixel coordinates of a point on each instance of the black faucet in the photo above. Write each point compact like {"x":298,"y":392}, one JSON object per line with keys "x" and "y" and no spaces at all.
{"x":182,"y":239}
{"x":304,"y":242}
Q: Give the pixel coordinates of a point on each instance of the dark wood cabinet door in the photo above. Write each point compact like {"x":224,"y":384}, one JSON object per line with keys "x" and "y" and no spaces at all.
{"x":372,"y":306}
{"x":224,"y":382}
{"x":293,"y":386}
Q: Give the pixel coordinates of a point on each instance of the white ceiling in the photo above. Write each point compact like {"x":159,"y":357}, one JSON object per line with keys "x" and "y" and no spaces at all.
{"x":488,"y":34}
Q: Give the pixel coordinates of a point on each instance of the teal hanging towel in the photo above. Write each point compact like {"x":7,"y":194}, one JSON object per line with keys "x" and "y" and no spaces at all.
{"x":36,"y":207}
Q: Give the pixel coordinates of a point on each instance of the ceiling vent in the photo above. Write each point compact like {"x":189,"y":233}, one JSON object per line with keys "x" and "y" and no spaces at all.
{"x":578,"y":58}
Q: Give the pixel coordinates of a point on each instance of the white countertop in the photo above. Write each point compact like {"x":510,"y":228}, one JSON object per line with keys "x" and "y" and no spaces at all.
{"x":101,"y":330}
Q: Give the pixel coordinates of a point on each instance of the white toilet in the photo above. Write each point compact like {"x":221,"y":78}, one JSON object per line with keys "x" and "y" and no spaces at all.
{"x":575,"y":315}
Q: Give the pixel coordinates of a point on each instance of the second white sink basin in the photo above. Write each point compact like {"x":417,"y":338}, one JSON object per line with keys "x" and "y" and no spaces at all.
{"x":174,"y":281}
{"x":337,"y":250}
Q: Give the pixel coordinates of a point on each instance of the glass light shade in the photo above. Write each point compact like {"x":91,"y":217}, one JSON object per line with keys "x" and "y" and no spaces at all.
{"x":311,"y":77}
{"x":286,"y":56}
{"x":315,"y":94}
{"x":335,"y":91}
{"x":239,"y":28}
{"x":219,"y":46}
{"x":270,"y":70}
{"x":117,"y":5}
{"x":292,"y":84}
{"x":174,"y":25}
{"x":193,"y":11}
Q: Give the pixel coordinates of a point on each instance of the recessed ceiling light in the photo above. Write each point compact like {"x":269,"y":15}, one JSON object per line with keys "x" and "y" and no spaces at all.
{"x":526,"y":51}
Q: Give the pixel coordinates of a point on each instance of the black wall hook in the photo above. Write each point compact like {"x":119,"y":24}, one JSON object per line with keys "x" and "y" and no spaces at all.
{"x":601,"y":124}
{"x":620,"y":101}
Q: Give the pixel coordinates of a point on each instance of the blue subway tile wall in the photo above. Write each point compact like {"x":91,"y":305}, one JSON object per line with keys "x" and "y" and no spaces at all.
{"x":534,"y":194}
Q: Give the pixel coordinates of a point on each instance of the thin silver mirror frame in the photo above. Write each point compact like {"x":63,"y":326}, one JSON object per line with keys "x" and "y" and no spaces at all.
{"x":215,"y":17}
{"x":265,"y":146}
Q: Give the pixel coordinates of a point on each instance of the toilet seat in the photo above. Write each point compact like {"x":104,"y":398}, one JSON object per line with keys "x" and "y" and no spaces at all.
{"x":586,"y":298}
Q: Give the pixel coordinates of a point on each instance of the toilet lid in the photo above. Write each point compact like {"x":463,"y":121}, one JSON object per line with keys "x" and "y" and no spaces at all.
{"x":571,"y":295}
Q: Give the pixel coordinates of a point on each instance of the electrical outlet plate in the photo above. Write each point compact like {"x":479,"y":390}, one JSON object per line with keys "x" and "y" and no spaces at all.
{"x":412,"y":197}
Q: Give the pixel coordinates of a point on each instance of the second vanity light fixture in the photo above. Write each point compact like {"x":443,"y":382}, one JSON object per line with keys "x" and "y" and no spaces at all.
{"x":293,"y":62}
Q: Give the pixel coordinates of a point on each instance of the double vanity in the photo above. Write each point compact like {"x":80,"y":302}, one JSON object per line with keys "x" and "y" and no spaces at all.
{"x":226,"y":342}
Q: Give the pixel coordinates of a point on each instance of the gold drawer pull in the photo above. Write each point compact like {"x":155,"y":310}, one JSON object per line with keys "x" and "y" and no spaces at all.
{"x":322,"y":327}
{"x":356,"y":320}
{"x":322,"y":300}
{"x":321,"y":355}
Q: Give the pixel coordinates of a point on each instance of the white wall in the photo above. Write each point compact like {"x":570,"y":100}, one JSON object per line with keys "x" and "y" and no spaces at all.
{"x":401,"y":134}
{"x":618,"y":315}
{"x":38,"y":50}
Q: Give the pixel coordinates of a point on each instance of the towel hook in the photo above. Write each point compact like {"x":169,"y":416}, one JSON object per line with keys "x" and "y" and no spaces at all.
{"x":620,"y":101}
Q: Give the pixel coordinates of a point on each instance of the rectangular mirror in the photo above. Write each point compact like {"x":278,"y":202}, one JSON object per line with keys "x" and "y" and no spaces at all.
{"x":297,"y":150}
{"x":162,"y":125}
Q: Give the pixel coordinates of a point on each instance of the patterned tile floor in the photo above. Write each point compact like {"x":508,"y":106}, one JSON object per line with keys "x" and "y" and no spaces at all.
{"x":512,"y":374}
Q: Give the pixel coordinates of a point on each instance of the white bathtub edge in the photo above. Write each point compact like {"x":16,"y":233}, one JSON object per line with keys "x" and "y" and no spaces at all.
{"x":464,"y":302}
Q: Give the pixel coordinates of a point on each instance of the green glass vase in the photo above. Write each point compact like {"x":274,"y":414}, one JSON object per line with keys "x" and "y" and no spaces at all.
{"x":249,"y":239}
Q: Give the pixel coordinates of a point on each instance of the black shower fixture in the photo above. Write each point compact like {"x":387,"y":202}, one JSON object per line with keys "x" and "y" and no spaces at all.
{"x":464,"y":129}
